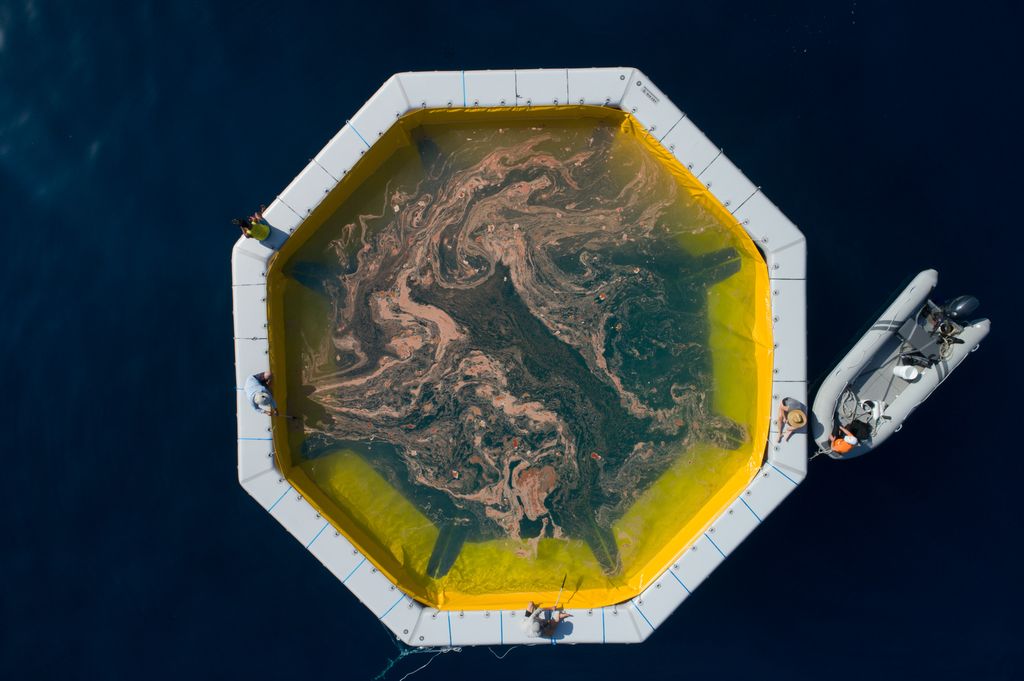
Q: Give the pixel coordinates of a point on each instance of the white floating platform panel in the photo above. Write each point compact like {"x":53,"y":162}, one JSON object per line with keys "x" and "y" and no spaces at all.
{"x":781,"y":243}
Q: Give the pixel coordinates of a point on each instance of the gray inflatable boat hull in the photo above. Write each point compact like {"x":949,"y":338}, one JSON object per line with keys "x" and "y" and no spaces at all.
{"x":868,"y":365}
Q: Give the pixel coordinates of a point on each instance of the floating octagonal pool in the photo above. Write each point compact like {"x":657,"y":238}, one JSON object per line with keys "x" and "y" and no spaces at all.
{"x":526,"y":352}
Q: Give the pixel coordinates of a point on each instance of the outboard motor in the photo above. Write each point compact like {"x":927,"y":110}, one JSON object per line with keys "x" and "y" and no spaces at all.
{"x":960,"y":308}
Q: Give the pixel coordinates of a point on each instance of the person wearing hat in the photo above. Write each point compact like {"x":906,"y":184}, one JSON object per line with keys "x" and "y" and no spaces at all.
{"x":792,"y":417}
{"x":257,"y":389}
{"x":534,"y":626}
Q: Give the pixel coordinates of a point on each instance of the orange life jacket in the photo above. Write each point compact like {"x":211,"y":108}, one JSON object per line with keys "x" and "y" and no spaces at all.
{"x":841,"y":446}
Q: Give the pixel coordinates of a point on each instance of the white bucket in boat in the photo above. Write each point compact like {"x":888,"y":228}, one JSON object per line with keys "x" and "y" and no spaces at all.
{"x":906,"y":372}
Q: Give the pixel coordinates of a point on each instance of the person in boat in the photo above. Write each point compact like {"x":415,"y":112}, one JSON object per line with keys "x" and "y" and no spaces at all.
{"x":792,"y":417}
{"x":254,"y":226}
{"x":844,"y":438}
{"x":534,"y":626}
{"x":257,"y":389}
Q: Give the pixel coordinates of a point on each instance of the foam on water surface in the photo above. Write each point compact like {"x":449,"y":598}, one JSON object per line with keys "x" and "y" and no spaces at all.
{"x":534,"y":343}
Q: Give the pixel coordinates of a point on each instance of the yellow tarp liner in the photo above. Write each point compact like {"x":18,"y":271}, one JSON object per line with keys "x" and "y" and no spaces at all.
{"x":505,"y":573}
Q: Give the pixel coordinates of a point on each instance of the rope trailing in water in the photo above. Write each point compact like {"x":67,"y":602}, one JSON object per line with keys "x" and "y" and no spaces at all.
{"x":409,"y":650}
{"x":504,"y":654}
{"x":405,"y":651}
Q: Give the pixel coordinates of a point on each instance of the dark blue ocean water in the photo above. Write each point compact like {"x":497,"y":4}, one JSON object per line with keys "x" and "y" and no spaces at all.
{"x":130,"y":133}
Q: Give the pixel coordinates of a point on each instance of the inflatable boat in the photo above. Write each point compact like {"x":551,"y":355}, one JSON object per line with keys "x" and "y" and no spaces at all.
{"x":904,"y":356}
